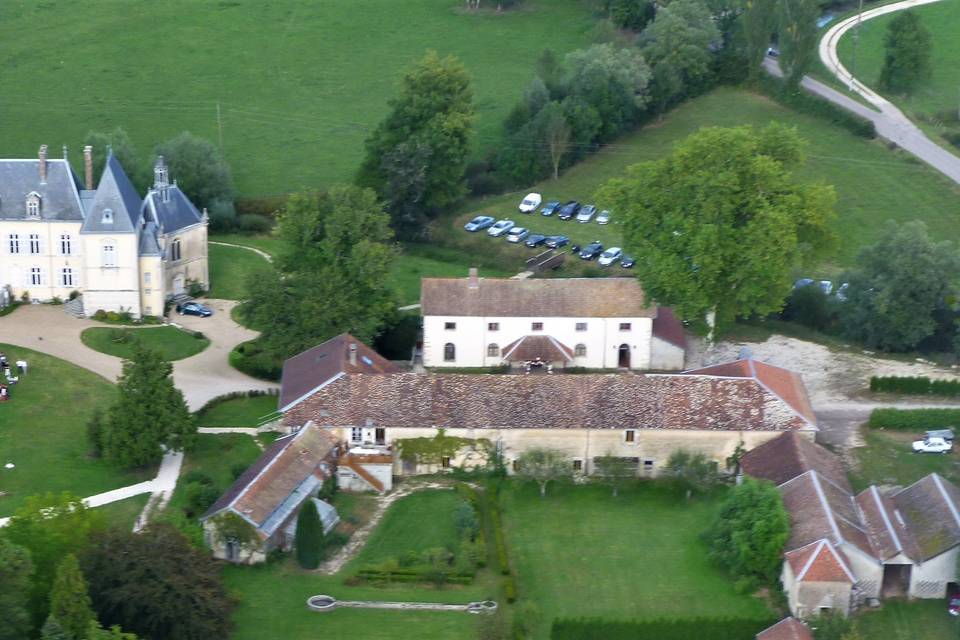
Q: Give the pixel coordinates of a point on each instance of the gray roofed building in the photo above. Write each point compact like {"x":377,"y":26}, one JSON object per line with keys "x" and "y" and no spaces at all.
{"x":59,"y":192}
{"x":149,"y":245}
{"x":116,"y":205}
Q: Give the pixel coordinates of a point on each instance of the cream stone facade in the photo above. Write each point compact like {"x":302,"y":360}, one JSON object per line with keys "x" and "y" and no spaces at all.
{"x":117,"y":251}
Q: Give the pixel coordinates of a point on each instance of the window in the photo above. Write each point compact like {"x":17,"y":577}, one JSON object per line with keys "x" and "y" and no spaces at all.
{"x":648,"y":465}
{"x":630,"y":435}
{"x":175,"y":250}
{"x":148,"y":311}
{"x":66,"y":277}
{"x":36,"y":276}
{"x":581,"y":326}
{"x":380,"y":435}
{"x":66,"y":244}
{"x":34,"y":243}
{"x":107,"y":217}
{"x":493,"y":326}
{"x":148,"y":278}
{"x":445,"y":462}
{"x":449,"y":352}
{"x":14,"y":242}
{"x":108,"y":255}
{"x":580,"y":350}
{"x":516,"y":466}
{"x":33,"y":205}
{"x":577,"y":465}
{"x":493,"y":351}
{"x":450,"y":326}
{"x":624,"y":326}
{"x":356,"y":434}
{"x":536,"y":326}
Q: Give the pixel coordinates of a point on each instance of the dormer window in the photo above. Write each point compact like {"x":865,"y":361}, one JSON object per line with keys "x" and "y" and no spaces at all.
{"x":33,"y":205}
{"x":107,"y":217}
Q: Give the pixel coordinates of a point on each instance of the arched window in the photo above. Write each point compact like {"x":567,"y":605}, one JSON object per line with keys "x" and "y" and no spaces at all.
{"x":580,"y":350}
{"x":449,"y":352}
{"x":493,"y":350}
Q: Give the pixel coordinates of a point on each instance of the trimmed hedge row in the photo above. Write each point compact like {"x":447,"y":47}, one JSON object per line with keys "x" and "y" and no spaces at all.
{"x":914,"y":419}
{"x":800,"y":100}
{"x":918,"y":385}
{"x":412,"y":575}
{"x":233,"y":395}
{"x":659,"y":629}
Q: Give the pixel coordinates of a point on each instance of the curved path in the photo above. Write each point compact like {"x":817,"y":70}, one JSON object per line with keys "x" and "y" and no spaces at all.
{"x":263,"y":254}
{"x":890,"y":122}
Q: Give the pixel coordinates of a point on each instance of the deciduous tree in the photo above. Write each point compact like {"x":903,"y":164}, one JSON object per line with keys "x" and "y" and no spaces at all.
{"x":16,"y":569}
{"x":556,"y":131}
{"x":798,"y":37}
{"x":308,"y":543}
{"x":543,"y":466}
{"x":118,"y":141}
{"x":615,"y":470}
{"x":907,"y":47}
{"x":694,"y":470}
{"x":613,"y":81}
{"x":720,"y":224}
{"x":69,"y":600}
{"x":149,"y":415}
{"x":759,"y":21}
{"x":199,"y":168}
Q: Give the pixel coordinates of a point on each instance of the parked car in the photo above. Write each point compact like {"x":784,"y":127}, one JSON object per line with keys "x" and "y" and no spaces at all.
{"x":826,"y":286}
{"x":627,"y":262}
{"x":569,"y":210}
{"x":803,"y":282}
{"x":932,"y":445}
{"x":946,"y":434}
{"x":500,"y":227}
{"x":953,"y":604}
{"x":603,"y":217}
{"x":535,"y":240}
{"x":550,"y":208}
{"x":586,"y":213}
{"x":530,"y":203}
{"x":194,"y":309}
{"x":575,"y":248}
{"x":479,"y":223}
{"x":611,"y":255}
{"x":773,"y":52}
{"x":555,"y":242}
{"x":517,"y":234}
{"x":591,"y":251}
{"x":842,"y":291}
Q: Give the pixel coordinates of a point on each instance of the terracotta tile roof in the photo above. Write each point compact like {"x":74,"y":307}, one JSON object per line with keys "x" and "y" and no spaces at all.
{"x":278,"y":473}
{"x":930,"y":509}
{"x":668,"y":327}
{"x":314,"y":367}
{"x":819,"y":561}
{"x":598,"y":401}
{"x":785,"y":384}
{"x":790,"y":455}
{"x":889,"y":534}
{"x":786,"y":629}
{"x":535,"y":297}
{"x":528,"y":348}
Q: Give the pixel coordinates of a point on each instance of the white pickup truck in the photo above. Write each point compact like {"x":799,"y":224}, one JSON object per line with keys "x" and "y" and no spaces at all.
{"x":932,"y":445}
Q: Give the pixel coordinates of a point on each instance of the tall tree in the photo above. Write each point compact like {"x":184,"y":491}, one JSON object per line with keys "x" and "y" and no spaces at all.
{"x":331,"y":275}
{"x":544,"y":466}
{"x":50,"y":527}
{"x":693,"y":470}
{"x":199,"y":168}
{"x":798,"y":37}
{"x":434,"y":109}
{"x":899,"y":288}
{"x":149,"y":415}
{"x":119,"y":142}
{"x":15,"y":571}
{"x":53,"y":630}
{"x":309,"y":536}
{"x":157,"y":585}
{"x":907,"y":47}
{"x":556,"y":131}
{"x":615,"y":470}
{"x":720,"y":223}
{"x":759,"y":21}
{"x":69,"y":600}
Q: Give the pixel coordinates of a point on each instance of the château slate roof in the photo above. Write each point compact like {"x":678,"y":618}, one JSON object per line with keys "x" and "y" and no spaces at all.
{"x":174,"y":214}
{"x":535,"y":297}
{"x":117,"y":193}
{"x":59,"y":196}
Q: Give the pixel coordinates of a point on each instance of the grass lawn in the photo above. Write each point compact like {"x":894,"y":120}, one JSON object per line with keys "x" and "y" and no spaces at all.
{"x":173,"y":343}
{"x":297,"y":86}
{"x":582,"y":552}
{"x":266,"y":243}
{"x":216,"y":455}
{"x":888,"y":459}
{"x":873,"y":183}
{"x":414,"y":263}
{"x":229,"y":269}
{"x":42,"y":431}
{"x":917,"y":620}
{"x":403,"y":528}
{"x":238,"y":412}
{"x":123,"y":514}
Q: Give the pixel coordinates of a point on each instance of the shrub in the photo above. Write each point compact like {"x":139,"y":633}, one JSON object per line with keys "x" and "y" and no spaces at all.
{"x":195,"y":475}
{"x":809,"y":306}
{"x":799,"y":100}
{"x":309,"y":536}
{"x":328,"y":489}
{"x":251,"y":360}
{"x":100,"y":315}
{"x":195,"y":289}
{"x":237,"y":469}
{"x":95,"y":434}
{"x":253,"y":223}
{"x":914,"y":419}
{"x":199,"y":496}
{"x":920,"y":385}
{"x":510,"y":589}
{"x":658,"y":629}
{"x":953,"y":137}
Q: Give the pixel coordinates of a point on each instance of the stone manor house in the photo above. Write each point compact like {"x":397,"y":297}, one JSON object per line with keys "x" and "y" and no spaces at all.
{"x":120,"y":251}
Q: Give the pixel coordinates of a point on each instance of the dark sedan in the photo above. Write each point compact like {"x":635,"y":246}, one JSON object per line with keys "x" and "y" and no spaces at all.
{"x":194,"y":309}
{"x":627,"y":262}
{"x":550,"y":208}
{"x":535,"y":240}
{"x":555,"y":242}
{"x":569,"y":210}
{"x":591,"y":251}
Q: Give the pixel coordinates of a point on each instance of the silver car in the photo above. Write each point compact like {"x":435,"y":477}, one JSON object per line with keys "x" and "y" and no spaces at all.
{"x":586,"y":213}
{"x":500,"y":227}
{"x":603,"y":217}
{"x":517,"y":234}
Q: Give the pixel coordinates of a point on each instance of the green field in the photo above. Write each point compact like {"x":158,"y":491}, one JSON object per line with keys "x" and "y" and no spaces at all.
{"x":917,"y":620}
{"x":299,"y":84}
{"x":42,"y":432}
{"x":229,"y":269}
{"x":869,"y":178}
{"x":938,"y":94}
{"x":238,"y":412}
{"x":123,"y":513}
{"x":171,"y":342}
{"x":582,"y":552}
{"x":404,"y":527}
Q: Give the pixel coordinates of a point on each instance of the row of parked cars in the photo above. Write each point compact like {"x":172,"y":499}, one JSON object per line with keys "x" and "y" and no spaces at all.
{"x":566,"y":211}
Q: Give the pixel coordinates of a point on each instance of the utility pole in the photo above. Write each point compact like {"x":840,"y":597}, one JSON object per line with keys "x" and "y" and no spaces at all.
{"x":220,"y":122}
{"x":856,"y":41}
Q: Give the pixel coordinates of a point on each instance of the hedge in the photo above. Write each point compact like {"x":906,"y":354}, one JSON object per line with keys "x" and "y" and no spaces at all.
{"x":920,"y":385}
{"x":800,"y":100}
{"x":412,"y":575}
{"x":248,"y":358}
{"x":233,"y":395}
{"x":510,"y":589}
{"x":658,"y":629}
{"x":914,"y":419}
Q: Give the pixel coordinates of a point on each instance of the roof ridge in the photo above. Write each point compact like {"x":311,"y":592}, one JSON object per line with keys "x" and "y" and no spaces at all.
{"x":825,"y":504}
{"x":946,"y":498}
{"x":886,"y":518}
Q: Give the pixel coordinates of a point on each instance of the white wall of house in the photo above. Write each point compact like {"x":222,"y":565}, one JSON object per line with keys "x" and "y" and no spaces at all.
{"x":111,"y":277}
{"x":666,"y":356}
{"x":34,"y":255}
{"x":929,"y":579}
{"x":868,"y":570}
{"x":472,"y":337}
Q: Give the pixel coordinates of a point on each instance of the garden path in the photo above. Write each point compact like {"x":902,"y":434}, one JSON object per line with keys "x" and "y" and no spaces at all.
{"x":263,"y":254}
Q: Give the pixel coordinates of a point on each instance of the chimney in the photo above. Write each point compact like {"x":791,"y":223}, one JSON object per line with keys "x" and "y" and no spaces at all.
{"x":353,"y":354}
{"x":88,"y":167}
{"x":65,"y":152}
{"x":473,"y":280}
{"x":43,"y":164}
